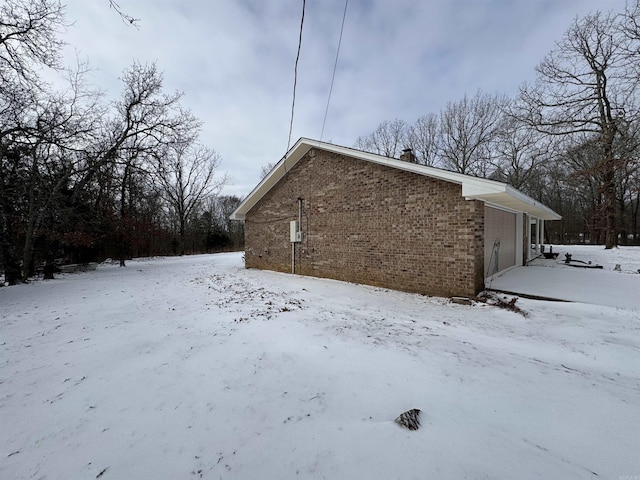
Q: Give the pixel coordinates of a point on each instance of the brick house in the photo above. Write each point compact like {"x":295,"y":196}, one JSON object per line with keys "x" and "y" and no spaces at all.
{"x":330,"y":211}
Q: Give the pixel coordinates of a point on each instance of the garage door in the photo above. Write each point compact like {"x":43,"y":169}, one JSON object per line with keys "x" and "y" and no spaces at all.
{"x":499,"y":240}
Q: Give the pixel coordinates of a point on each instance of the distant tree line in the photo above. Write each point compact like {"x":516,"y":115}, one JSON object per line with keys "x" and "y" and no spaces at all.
{"x":570,"y":139}
{"x":83,"y":179}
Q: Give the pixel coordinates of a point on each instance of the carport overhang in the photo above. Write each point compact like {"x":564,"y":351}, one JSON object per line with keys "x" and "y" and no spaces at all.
{"x":493,"y":193}
{"x":503,"y":196}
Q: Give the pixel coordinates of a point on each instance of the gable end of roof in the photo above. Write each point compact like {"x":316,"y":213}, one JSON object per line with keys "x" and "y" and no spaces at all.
{"x":473,"y":188}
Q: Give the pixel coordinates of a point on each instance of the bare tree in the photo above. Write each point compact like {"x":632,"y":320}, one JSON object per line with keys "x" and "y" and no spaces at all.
{"x":264,"y":171}
{"x":521,"y":152}
{"x":186,"y":172}
{"x":61,"y":125}
{"x":146,"y":121}
{"x":129,"y":171}
{"x":68,"y":140}
{"x":627,"y":148}
{"x":28,"y":43}
{"x":630,"y":28}
{"x":70,"y":166}
{"x":423,"y":138}
{"x":9,"y":190}
{"x":388,"y":139}
{"x":467,"y":128}
{"x":582,"y":88}
{"x":126,"y":18}
{"x":634,"y":205}
{"x":225,"y":232}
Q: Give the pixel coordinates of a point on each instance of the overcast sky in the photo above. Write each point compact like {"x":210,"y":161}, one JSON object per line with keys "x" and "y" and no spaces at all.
{"x":234,"y":61}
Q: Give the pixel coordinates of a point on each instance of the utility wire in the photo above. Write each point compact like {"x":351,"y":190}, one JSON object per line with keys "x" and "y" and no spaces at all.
{"x":295,"y":76}
{"x":335,"y":65}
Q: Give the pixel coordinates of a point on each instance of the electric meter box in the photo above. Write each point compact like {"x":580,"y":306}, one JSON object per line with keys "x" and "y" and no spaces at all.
{"x":294,"y":231}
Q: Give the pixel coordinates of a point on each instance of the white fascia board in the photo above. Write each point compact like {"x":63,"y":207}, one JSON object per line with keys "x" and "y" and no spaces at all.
{"x":506,"y":197}
{"x":483,"y":189}
{"x":506,"y":201}
{"x":476,"y":189}
{"x":544,"y":212}
{"x":277,"y":172}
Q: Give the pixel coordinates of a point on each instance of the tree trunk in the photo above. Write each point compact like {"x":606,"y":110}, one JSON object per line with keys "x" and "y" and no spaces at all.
{"x":611,"y":239}
{"x":49,"y":266}
{"x":635,"y":206}
{"x":623,"y":221}
{"x":123,"y":211}
{"x":181,"y":236}
{"x":122,"y":251}
{"x":27,"y":253}
{"x":12,"y":271}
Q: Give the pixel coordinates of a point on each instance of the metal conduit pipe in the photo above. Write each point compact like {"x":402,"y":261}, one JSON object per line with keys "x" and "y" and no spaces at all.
{"x":293,"y":241}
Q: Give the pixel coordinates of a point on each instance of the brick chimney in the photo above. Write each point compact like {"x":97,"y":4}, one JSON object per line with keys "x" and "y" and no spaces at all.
{"x":408,"y":156}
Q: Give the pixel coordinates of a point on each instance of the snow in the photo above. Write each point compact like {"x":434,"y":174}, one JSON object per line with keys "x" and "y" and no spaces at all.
{"x":194,"y":367}
{"x":627,"y":257}
{"x":555,"y":279}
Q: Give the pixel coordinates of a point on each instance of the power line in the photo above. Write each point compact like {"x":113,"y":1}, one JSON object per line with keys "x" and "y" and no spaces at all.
{"x":295,"y":76}
{"x":335,"y":65}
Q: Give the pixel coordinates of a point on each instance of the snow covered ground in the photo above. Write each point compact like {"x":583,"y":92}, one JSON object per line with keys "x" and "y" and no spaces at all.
{"x":554,"y":279}
{"x":628,"y":258}
{"x":194,"y":367}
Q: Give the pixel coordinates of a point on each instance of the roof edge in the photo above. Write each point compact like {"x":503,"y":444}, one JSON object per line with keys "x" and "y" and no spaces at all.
{"x":473,"y":187}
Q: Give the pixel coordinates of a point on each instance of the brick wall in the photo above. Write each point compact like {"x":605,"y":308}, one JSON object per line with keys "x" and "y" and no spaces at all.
{"x":370,"y":224}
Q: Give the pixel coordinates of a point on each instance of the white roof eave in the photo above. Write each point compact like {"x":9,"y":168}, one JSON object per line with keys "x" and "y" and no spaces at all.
{"x":490,"y":191}
{"x":517,"y":203}
{"x":277,"y":172}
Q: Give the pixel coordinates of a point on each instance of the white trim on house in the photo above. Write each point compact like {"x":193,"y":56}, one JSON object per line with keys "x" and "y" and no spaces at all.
{"x":473,"y":188}
{"x":501,"y":207}
{"x":535,"y":244}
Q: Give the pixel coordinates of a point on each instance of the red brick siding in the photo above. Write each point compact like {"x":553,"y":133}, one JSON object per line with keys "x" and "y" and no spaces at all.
{"x":370,"y":224}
